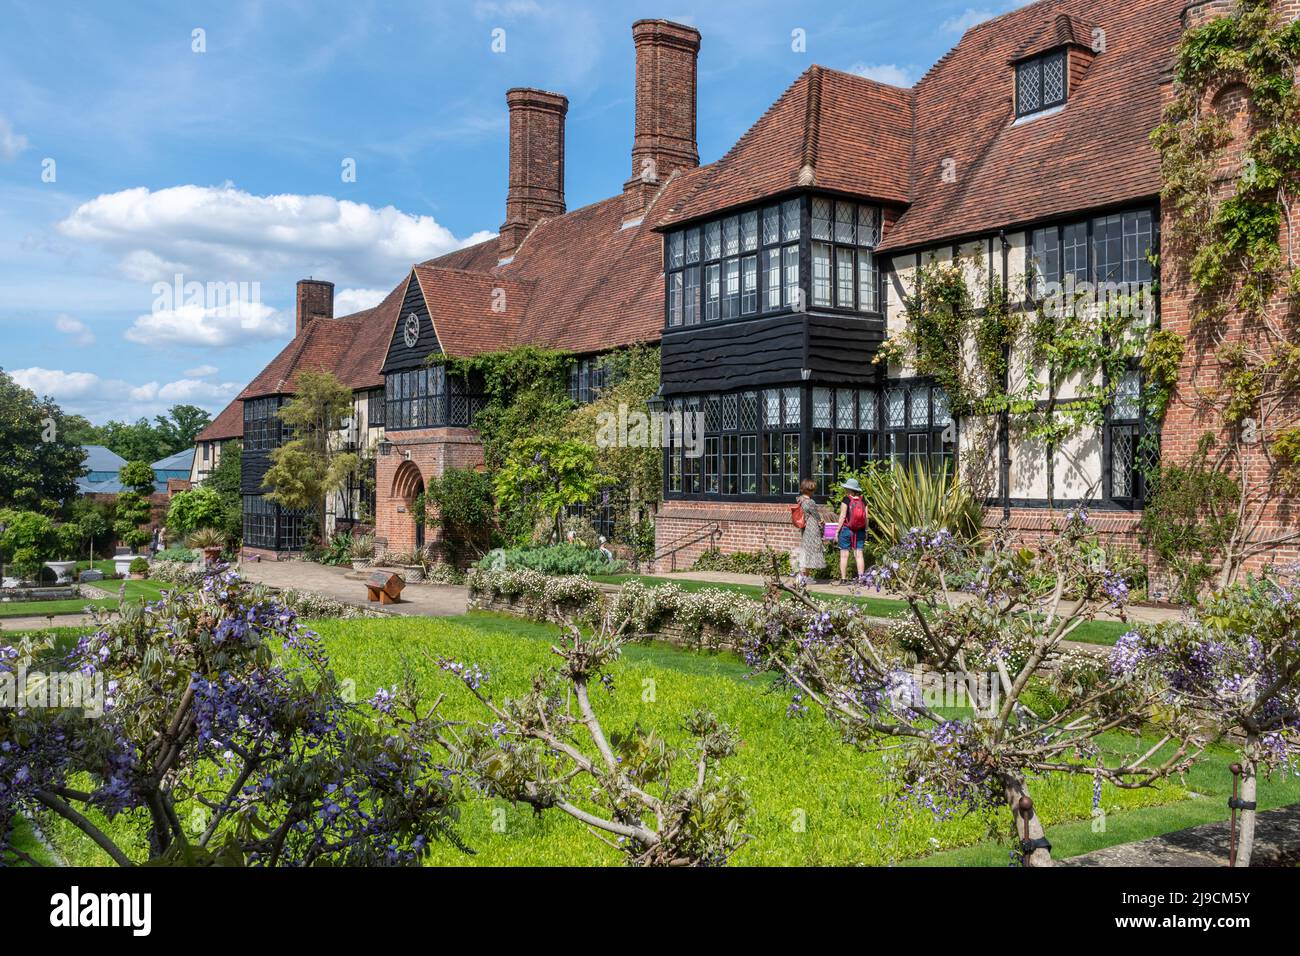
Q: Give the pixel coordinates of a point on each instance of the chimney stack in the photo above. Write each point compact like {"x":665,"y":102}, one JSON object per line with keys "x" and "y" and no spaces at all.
{"x":315,"y":301}
{"x":536,"y":163}
{"x":665,"y":109}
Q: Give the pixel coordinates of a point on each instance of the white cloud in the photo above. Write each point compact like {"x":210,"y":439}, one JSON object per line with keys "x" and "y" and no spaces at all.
{"x":11,"y":143}
{"x":225,"y":234}
{"x":239,"y":321}
{"x":884,"y":73}
{"x":76,"y":330}
{"x":100,"y":399}
{"x":965,"y":20}
{"x":202,"y":371}
{"x":355,"y":300}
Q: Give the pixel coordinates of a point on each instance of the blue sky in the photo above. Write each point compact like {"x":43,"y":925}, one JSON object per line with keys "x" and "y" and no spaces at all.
{"x":128,"y":157}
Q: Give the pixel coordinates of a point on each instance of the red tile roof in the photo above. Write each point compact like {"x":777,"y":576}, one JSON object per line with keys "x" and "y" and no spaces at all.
{"x":829,"y":130}
{"x":584,"y":282}
{"x":229,"y":423}
{"x":1093,"y":152}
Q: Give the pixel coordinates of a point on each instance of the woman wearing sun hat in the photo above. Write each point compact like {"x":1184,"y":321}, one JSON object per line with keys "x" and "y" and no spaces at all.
{"x":853,"y":527}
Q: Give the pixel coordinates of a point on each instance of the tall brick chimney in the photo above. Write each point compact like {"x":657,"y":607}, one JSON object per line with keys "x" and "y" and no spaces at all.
{"x":664,"y":140}
{"x":536,"y":163}
{"x":315,"y":301}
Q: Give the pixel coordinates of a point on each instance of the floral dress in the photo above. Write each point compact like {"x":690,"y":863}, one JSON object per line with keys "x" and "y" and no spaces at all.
{"x":811,"y":551}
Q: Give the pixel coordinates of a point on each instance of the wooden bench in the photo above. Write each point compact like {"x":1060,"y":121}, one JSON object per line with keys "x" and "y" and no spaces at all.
{"x":384,"y":587}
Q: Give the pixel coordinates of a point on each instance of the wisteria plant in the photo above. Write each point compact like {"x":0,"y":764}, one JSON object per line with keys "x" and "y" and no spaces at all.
{"x":659,"y":805}
{"x":1015,"y":701}
{"x":219,"y":726}
{"x":1231,"y":670}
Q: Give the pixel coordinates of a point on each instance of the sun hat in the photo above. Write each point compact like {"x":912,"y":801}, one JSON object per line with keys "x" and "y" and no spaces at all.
{"x":851,"y":485}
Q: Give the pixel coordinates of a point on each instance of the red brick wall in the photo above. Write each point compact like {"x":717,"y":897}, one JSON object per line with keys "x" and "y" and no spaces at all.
{"x":432,"y":452}
{"x":741,"y":527}
{"x":1190,"y":415}
{"x":665,"y":109}
{"x":536,"y":188}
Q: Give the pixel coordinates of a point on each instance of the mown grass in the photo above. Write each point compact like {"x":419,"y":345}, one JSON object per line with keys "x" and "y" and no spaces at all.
{"x":1105,"y":633}
{"x":143,"y":590}
{"x":815,"y":800}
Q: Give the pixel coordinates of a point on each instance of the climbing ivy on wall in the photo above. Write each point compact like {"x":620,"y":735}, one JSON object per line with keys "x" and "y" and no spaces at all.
{"x":1223,"y":222}
{"x":965,"y":339}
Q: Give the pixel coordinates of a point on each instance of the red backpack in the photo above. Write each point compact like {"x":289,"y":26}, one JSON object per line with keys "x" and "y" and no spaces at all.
{"x":856,"y":519}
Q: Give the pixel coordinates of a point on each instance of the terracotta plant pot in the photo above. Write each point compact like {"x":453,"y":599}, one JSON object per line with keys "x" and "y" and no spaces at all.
{"x":211,"y":555}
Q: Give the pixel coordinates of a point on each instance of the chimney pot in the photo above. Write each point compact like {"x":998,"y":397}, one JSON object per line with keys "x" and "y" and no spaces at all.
{"x":664,"y":139}
{"x":315,"y":300}
{"x":536,"y":188}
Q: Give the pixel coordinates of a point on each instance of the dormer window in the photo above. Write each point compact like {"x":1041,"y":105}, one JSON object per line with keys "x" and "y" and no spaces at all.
{"x":1040,"y":83}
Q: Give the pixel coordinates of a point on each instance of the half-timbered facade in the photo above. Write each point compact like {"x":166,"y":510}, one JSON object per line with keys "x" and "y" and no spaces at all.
{"x":772,"y":276}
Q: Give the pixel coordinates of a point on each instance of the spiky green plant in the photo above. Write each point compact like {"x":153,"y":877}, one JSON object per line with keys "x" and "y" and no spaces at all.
{"x":900,"y":499}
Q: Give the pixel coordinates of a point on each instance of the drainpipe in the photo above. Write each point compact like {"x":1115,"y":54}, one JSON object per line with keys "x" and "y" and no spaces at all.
{"x":1004,"y":425}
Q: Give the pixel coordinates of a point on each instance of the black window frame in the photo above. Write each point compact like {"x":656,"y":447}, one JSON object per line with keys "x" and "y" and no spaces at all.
{"x":1037,"y":66}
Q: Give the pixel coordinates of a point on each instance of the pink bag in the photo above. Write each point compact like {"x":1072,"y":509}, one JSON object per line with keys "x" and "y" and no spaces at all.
{"x":830,"y":530}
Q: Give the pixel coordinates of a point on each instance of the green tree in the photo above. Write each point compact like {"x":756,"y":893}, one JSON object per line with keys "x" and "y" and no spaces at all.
{"x":133,"y":508}
{"x":307,"y":468}
{"x":525,"y":390}
{"x":39,"y":463}
{"x":463,"y":502}
{"x":545,"y":474}
{"x":28,"y":540}
{"x":224,"y":480}
{"x":180,"y":426}
{"x":197,"y":508}
{"x":634,"y":468}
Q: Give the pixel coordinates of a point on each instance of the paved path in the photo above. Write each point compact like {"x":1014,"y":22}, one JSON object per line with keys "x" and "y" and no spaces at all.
{"x":1277,"y":843}
{"x":422,"y":600}
{"x":1135,"y":613}
{"x":41,"y":623}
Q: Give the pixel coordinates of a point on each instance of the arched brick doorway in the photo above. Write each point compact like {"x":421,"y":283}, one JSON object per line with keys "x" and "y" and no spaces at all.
{"x":407,"y":484}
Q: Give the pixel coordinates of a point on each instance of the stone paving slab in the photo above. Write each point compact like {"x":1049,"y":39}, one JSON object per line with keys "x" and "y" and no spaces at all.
{"x":418,"y":600}
{"x":1277,"y":843}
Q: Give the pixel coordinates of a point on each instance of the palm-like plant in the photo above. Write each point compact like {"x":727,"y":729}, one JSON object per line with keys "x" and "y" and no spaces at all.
{"x":901,"y":499}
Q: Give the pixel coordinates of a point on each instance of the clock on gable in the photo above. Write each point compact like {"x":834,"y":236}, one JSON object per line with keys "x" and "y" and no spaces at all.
{"x":411,"y":332}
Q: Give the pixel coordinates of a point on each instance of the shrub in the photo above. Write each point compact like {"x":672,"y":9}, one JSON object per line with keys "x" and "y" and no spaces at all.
{"x":183,"y":555}
{"x":139,"y":566}
{"x":363,"y":547}
{"x":465,"y":508}
{"x":218,"y":684}
{"x":337,"y":552}
{"x":742,"y":562}
{"x":901,"y":499}
{"x":557,"y":559}
{"x":28,"y":540}
{"x":197,"y":508}
{"x":207,"y":538}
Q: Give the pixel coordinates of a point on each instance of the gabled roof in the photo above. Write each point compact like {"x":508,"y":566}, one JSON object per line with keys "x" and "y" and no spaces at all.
{"x":1064,"y":31}
{"x":181,"y":461}
{"x":949,"y":152}
{"x":1093,"y":152}
{"x":473,"y":312}
{"x":322,"y":346}
{"x":99,"y":458}
{"x":828,"y":130}
{"x":229,"y":423}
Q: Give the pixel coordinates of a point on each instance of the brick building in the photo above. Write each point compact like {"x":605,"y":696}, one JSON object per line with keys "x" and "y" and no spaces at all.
{"x":771,"y":277}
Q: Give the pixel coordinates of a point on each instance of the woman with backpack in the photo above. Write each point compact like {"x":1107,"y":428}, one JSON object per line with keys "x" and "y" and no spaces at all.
{"x":853,"y":528}
{"x":807,"y":517}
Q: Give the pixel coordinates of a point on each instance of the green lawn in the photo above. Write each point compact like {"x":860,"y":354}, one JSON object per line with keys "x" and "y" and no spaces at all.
{"x":135,"y":590}
{"x":794,"y":769}
{"x":1090,"y":632}
{"x":816,"y":800}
